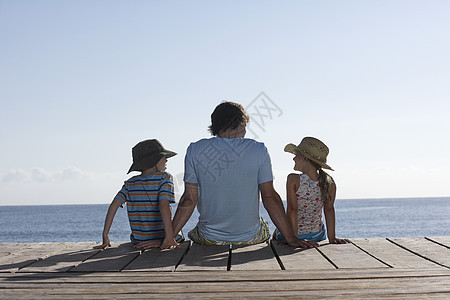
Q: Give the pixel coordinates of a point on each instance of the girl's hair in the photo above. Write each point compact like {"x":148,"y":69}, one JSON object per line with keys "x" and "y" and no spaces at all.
{"x":325,"y":182}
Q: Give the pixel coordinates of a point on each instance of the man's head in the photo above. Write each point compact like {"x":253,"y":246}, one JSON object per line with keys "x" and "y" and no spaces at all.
{"x":227,"y":116}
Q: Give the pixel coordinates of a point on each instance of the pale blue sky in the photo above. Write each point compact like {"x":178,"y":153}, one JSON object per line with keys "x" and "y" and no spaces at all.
{"x":81,"y":82}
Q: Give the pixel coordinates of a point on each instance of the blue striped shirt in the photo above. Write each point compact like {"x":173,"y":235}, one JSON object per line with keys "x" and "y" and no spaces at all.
{"x":142,"y":196}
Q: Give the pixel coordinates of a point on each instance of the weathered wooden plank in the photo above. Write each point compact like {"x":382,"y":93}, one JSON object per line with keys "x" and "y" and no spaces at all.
{"x":9,"y":248}
{"x":175,"y":278}
{"x":392,"y":254}
{"x":159,"y":260}
{"x":38,"y":248}
{"x":443,"y":240}
{"x":13,"y":261}
{"x":425,"y":248}
{"x":205,"y":258}
{"x":71,"y":255}
{"x":301,"y":259}
{"x":111,"y":259}
{"x":364,"y":294}
{"x":412,"y":285}
{"x":404,"y":281}
{"x":253,"y":257}
{"x":348,"y":256}
{"x":27,"y":254}
{"x":261,"y":295}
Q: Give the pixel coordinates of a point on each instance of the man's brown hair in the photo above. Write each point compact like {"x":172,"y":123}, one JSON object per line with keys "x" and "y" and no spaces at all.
{"x":227,"y":115}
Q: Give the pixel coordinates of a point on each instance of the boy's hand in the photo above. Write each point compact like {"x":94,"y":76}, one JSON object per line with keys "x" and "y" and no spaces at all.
{"x":106,"y":243}
{"x":169,"y":243}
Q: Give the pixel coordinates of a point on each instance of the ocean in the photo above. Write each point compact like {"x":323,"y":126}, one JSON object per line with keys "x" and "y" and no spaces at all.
{"x":355,"y":218}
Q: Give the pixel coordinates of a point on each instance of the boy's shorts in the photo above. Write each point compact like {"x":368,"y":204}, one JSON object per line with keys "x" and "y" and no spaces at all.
{"x":313,"y":236}
{"x":262,"y":236}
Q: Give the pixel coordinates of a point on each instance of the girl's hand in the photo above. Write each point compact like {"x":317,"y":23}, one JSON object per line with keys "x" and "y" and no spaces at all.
{"x":106,"y":243}
{"x":338,"y":241}
{"x":169,"y":243}
{"x":301,"y":243}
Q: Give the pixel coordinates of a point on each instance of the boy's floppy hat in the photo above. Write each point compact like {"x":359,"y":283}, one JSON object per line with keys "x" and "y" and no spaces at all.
{"x":146,"y":155}
{"x":312,"y":149}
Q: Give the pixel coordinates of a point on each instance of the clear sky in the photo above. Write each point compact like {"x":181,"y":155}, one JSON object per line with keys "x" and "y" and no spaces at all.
{"x":81,"y":82}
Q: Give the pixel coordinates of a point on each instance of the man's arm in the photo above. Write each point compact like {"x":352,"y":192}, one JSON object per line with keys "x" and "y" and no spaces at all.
{"x":185,"y":207}
{"x":292,"y":203}
{"x":274,"y":206}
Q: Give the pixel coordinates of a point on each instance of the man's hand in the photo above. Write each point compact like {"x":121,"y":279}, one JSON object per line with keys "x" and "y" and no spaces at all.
{"x":169,"y":243}
{"x":149,"y":244}
{"x":185,"y":207}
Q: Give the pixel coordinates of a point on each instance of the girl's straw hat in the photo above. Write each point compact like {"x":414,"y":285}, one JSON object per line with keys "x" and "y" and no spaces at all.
{"x":312,"y":149}
{"x":146,"y":155}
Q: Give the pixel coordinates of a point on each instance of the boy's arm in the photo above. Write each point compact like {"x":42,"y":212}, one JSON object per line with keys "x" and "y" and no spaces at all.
{"x":185,"y":207}
{"x":330,"y":219}
{"x":274,"y":206}
{"x":115,"y":204}
{"x":166,"y":215}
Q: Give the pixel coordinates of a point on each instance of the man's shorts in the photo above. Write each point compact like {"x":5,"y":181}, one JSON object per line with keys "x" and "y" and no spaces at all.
{"x":262,"y":236}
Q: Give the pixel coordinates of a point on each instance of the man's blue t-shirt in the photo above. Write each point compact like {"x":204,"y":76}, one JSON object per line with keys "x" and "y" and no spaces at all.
{"x":228,"y":172}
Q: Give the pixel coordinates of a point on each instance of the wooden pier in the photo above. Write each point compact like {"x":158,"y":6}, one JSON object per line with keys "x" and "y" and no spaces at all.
{"x":376,"y":268}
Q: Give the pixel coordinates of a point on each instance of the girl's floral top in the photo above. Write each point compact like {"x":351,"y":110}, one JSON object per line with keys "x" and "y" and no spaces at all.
{"x":310,"y":205}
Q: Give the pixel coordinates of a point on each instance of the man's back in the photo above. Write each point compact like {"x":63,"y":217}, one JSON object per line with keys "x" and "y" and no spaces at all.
{"x":228,"y":172}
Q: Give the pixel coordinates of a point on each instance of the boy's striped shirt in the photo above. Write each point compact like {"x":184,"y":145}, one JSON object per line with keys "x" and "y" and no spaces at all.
{"x":142,"y":196}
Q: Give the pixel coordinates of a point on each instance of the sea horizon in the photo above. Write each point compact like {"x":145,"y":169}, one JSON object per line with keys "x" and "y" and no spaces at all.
{"x":337,"y":199}
{"x":355,"y":218}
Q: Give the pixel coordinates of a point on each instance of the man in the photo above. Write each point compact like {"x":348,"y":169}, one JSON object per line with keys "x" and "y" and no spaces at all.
{"x":224,"y":176}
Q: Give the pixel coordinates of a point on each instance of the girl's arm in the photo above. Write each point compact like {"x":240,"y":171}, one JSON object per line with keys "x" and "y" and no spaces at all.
{"x":115,"y":204}
{"x":274,"y":206}
{"x":166,"y":215}
{"x":330,"y":218}
{"x":292,"y":183}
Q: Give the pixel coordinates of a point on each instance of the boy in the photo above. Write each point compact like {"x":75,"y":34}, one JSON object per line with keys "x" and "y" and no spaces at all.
{"x":147,"y":197}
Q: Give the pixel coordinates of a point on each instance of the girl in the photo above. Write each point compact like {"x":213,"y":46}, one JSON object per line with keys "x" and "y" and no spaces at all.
{"x":310,"y":192}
